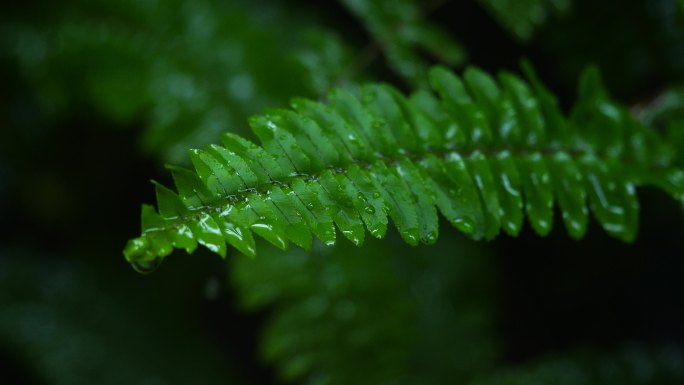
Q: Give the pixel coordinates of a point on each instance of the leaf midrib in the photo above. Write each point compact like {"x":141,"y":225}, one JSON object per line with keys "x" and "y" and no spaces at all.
{"x":263,"y":190}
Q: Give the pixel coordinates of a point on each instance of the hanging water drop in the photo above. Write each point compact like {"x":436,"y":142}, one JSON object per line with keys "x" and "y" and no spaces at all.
{"x":429,"y":238}
{"x":411,"y":236}
{"x":465,"y":224}
{"x":354,"y":237}
{"x":511,"y":228}
{"x":377,"y":232}
{"x":575,"y":227}
{"x":146,"y":267}
{"x":543,"y":225}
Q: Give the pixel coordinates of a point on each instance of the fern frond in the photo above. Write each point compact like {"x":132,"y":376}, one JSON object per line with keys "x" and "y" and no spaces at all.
{"x":400,"y":29}
{"x":666,"y":113}
{"x":522,"y":17}
{"x":323,"y":316}
{"x":187,"y":72}
{"x":482,"y":151}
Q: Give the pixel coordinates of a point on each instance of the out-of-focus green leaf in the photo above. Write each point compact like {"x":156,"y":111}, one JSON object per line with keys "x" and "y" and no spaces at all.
{"x":631,"y":364}
{"x":71,"y":324}
{"x":633,"y":60}
{"x":521,"y":17}
{"x":666,"y":113}
{"x":406,"y":38}
{"x":188,"y":70}
{"x":348,"y":316}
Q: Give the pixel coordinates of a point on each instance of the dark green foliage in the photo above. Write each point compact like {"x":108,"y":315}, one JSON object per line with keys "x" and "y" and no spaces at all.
{"x":481,"y":151}
{"x":199,"y":70}
{"x":632,"y":364}
{"x":406,"y":38}
{"x":521,"y":17}
{"x":74,"y":325}
{"x":347,"y":316}
{"x":666,"y":113}
{"x":641,"y":51}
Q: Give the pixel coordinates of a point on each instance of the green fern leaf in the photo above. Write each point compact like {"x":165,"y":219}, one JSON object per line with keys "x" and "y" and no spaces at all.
{"x":483,"y":152}
{"x":322,"y":316}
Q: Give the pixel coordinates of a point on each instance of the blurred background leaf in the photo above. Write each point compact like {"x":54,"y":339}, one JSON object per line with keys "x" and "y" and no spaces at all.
{"x":401,"y":31}
{"x":522,"y":17}
{"x":630,"y":364}
{"x":642,"y":41}
{"x":189,"y":70}
{"x":73,"y":324}
{"x":665,"y":112}
{"x":370,"y":316}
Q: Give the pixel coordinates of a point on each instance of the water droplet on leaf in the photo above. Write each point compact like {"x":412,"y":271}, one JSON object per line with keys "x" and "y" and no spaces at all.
{"x":430,"y":238}
{"x":378,"y":232}
{"x":511,"y":228}
{"x":466,"y":225}
{"x":411,"y":236}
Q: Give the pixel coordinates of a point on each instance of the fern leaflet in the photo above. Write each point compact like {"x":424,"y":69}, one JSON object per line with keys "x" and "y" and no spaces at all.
{"x":483,"y":152}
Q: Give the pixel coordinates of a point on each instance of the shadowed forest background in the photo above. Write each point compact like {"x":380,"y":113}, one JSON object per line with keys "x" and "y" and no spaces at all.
{"x":96,"y":96}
